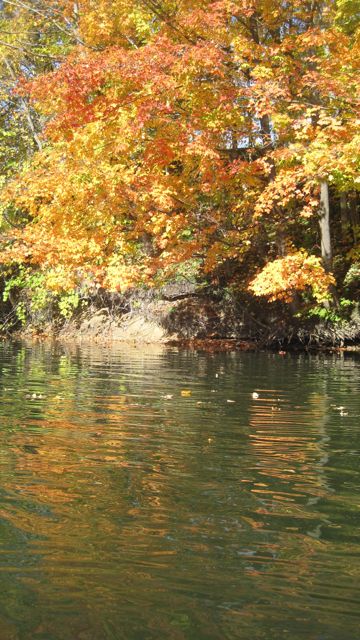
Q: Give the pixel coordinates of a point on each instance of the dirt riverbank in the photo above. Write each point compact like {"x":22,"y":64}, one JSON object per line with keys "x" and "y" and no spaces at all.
{"x":199,"y":319}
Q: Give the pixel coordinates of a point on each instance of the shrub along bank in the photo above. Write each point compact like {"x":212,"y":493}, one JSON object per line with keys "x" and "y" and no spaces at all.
{"x":180,"y":312}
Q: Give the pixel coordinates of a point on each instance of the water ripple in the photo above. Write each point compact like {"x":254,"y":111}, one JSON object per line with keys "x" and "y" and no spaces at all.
{"x":164,"y":494}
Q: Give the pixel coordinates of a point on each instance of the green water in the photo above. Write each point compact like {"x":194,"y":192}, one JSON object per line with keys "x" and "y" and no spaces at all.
{"x":146,"y":494}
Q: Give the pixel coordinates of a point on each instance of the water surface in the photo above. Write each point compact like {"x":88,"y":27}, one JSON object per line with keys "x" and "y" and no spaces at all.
{"x":145,"y":494}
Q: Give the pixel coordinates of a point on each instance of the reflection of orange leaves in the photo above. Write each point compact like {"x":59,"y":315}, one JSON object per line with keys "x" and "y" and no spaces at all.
{"x":47,"y":494}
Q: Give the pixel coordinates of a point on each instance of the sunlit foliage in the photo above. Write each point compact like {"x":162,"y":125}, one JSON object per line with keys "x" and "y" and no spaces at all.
{"x":178,"y":130}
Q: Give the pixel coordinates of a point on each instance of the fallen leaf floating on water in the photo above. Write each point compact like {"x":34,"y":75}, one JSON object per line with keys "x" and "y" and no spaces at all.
{"x":342,"y":410}
{"x":255,"y":395}
{"x":185,"y":393}
{"x":168,"y":396}
{"x":230,"y":401}
{"x":35,"y":396}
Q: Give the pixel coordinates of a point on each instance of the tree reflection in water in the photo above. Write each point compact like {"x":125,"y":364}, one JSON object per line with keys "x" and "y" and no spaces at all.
{"x":129,"y":514}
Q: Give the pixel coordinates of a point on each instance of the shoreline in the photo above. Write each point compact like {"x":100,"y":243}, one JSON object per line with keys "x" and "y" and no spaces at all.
{"x":193,"y":320}
{"x":208,"y":345}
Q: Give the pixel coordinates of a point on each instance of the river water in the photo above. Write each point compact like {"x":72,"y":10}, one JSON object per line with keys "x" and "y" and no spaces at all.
{"x":148,"y":494}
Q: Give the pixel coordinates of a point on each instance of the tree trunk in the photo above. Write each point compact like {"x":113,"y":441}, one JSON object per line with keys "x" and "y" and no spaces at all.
{"x":344,"y":216}
{"x":354,"y":216}
{"x":326,"y":251}
{"x":26,"y":108}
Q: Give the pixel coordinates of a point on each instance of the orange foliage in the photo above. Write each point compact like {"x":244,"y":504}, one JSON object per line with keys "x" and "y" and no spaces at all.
{"x":296,"y":272}
{"x":184,"y":131}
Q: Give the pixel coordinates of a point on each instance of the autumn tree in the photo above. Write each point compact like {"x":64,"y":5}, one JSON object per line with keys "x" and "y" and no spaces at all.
{"x":193,"y":133}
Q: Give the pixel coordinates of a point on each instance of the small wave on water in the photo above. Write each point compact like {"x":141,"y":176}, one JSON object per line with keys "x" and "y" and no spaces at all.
{"x":154,"y":493}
